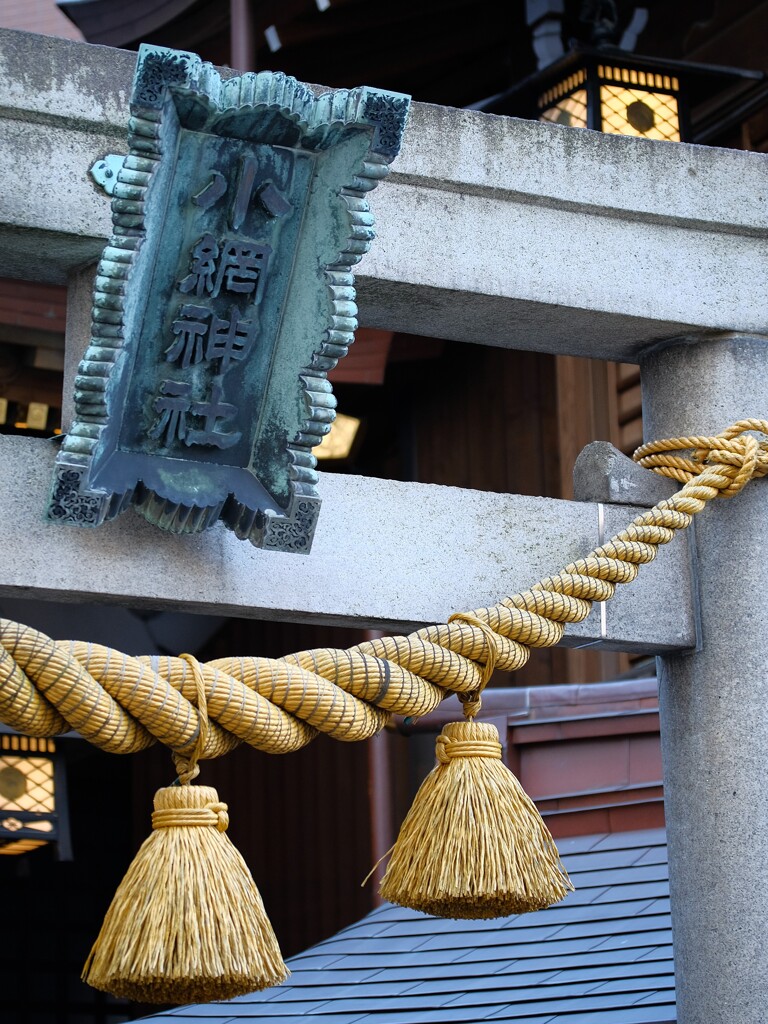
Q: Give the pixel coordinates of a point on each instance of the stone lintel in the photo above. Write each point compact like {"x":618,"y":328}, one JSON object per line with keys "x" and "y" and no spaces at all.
{"x":492,"y":230}
{"x":386,"y":555}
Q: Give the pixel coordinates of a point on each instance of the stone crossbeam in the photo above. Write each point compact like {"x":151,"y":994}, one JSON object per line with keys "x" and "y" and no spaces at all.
{"x":491,"y":230}
{"x":386,"y":555}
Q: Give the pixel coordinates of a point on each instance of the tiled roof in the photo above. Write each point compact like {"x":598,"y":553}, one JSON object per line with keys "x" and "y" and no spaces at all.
{"x":602,"y":956}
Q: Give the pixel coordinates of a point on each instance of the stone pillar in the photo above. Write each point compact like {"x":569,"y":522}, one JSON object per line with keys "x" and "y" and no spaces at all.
{"x":714,"y":702}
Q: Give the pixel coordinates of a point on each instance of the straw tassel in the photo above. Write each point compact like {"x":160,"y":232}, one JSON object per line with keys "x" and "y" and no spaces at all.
{"x":187,"y":923}
{"x":473,"y":844}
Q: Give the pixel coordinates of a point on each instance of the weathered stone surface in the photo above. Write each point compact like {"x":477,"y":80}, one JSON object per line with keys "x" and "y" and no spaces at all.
{"x":79,"y":304}
{"x":603,"y":473}
{"x":492,"y":230}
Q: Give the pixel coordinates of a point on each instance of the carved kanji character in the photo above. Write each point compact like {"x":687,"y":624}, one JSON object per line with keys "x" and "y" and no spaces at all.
{"x":230,"y":340}
{"x":173,"y":405}
{"x":212,"y":192}
{"x":273,"y":200}
{"x":190,"y":329}
{"x":240,"y":266}
{"x":242,"y":199}
{"x":200,"y":279}
{"x":212,"y":411}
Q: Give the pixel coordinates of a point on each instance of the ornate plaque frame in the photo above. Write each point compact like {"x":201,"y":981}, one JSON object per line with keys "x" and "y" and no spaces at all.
{"x":222,"y":300}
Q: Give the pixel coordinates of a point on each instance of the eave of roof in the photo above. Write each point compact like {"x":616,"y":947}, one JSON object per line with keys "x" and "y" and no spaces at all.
{"x":110,"y":24}
{"x":602,"y":956}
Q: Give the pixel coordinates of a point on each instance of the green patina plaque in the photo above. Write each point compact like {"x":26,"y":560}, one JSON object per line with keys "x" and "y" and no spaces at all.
{"x":222,"y":300}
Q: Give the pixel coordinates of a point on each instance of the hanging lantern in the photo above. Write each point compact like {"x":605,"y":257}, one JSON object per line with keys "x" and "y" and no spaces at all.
{"x":31,"y":794}
{"x":619,"y":97}
{"x":609,"y":90}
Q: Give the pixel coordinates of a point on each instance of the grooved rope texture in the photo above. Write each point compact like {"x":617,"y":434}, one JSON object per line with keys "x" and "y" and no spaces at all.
{"x":123,"y":704}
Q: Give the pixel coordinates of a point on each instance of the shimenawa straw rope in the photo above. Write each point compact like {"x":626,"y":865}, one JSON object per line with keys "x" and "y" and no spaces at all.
{"x":501,"y":857}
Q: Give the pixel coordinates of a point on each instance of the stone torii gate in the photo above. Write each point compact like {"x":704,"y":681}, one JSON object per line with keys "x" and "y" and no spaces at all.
{"x":603,"y":246}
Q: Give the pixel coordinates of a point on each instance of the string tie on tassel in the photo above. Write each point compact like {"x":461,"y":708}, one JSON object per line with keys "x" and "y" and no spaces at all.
{"x":212,"y":816}
{"x":187,"y":767}
{"x":472,"y":701}
{"x":447,"y":748}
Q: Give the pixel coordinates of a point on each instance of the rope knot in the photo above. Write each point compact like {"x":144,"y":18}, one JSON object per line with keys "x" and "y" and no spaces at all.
{"x":222,"y":816}
{"x":742,"y":457}
{"x":472,"y":703}
{"x":726,"y":461}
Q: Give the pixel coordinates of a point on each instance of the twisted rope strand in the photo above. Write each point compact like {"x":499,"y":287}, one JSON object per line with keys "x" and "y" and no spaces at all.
{"x":123,"y":704}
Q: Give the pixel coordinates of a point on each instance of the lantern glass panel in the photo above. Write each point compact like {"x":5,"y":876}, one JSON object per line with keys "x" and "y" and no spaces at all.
{"x":570,"y":110}
{"x":643,"y":114}
{"x":26,"y":785}
{"x":639,"y":103}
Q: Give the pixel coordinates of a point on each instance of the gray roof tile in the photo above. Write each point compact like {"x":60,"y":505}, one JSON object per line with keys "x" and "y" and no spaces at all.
{"x":655,"y":855}
{"x":567,"y":913}
{"x":592,"y":958}
{"x":658,"y":951}
{"x":522,"y":996}
{"x":636,"y":922}
{"x":427,"y":1016}
{"x":492,"y":983}
{"x":660,"y":937}
{"x":494,"y":939}
{"x":629,"y":1015}
{"x":602,"y":956}
{"x":586,"y":975}
{"x":429,"y":957}
{"x":256,"y":1015}
{"x":644,"y":873}
{"x":320,"y":993}
{"x":579,"y":844}
{"x":638,"y":985}
{"x":620,"y":893}
{"x":603,"y":860}
{"x":639,"y":839}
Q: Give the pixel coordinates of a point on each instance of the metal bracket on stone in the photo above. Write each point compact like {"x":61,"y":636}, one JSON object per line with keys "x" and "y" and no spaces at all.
{"x":605,"y":476}
{"x":104,"y":172}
